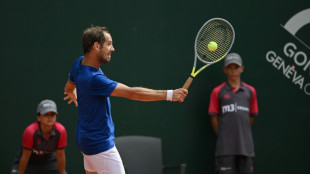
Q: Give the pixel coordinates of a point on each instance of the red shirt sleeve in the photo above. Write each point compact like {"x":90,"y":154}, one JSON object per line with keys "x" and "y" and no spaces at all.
{"x":27,"y":140}
{"x":253,"y":103}
{"x":62,"y":142}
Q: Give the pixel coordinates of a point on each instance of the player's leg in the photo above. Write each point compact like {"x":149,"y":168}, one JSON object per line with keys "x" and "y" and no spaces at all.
{"x":108,"y":162}
{"x":225,"y":164}
{"x":245,"y":164}
{"x":87,"y":172}
{"x":114,"y":162}
{"x":89,"y":169}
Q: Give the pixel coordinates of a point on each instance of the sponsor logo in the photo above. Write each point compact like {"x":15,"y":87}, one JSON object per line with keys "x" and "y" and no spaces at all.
{"x":298,"y":21}
{"x":37,"y":152}
{"x":298,"y":72}
{"x":46,"y":105}
{"x":234,"y":108}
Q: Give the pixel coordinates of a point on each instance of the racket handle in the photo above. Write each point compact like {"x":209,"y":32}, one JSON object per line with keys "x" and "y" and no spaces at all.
{"x":188,"y":82}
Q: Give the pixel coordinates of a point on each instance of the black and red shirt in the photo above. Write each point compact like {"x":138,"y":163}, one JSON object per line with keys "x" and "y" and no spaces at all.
{"x":234,"y":108}
{"x":42,"y":147}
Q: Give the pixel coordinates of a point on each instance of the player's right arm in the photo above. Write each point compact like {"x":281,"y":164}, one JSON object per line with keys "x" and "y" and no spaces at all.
{"x":24,"y":161}
{"x":214,"y":123}
{"x":70,"y":91}
{"x":145,"y":94}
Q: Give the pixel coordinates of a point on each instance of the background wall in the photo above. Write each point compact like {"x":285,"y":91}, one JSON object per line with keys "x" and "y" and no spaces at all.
{"x":154,"y":48}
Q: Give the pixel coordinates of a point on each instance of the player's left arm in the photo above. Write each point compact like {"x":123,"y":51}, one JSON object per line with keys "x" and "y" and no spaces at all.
{"x":70,"y":91}
{"x":61,"y":160}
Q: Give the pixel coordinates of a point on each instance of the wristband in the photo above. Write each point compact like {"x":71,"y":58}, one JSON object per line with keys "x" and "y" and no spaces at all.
{"x":169,"y":95}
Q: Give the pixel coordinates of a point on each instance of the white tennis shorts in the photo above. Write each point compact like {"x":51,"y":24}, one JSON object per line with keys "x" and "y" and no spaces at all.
{"x":107,"y":162}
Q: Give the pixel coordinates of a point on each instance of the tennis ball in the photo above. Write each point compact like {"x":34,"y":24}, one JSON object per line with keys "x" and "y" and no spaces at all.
{"x":212,"y":46}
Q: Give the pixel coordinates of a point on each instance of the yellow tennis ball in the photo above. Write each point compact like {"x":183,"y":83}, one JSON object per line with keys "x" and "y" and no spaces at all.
{"x":212,"y":46}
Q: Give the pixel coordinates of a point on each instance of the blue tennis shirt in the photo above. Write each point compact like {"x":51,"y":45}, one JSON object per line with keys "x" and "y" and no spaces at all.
{"x":95,"y":129}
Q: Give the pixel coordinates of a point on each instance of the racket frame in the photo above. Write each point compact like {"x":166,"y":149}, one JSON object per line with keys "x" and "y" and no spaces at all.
{"x":194,"y":73}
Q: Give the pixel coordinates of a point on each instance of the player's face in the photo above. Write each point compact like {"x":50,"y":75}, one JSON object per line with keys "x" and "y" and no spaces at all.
{"x":233,"y":71}
{"x":106,"y":49}
{"x":47,"y":119}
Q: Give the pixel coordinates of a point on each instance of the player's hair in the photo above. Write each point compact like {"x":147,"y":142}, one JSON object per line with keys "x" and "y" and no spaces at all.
{"x":91,"y":35}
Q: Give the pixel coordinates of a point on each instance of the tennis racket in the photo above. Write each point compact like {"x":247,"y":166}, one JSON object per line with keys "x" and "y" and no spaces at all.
{"x":213,"y":41}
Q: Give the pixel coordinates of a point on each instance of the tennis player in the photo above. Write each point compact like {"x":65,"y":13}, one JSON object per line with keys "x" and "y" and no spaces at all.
{"x":89,"y":88}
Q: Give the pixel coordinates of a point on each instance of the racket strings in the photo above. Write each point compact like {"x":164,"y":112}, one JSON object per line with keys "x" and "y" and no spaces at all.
{"x":218,"y":31}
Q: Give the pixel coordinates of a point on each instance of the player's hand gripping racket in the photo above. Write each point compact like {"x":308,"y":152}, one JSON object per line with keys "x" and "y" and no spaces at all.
{"x":213,"y":41}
